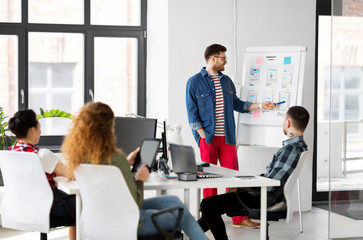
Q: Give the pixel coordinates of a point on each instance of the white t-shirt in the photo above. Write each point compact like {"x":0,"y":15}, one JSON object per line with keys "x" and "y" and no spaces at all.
{"x":48,"y":159}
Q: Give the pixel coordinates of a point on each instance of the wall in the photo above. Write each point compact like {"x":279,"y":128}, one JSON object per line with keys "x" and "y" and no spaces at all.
{"x":193,"y":25}
{"x":157,"y":93}
{"x":290,"y":23}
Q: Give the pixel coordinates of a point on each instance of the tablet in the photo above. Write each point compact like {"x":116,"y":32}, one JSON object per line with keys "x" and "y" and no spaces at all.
{"x":147,"y":154}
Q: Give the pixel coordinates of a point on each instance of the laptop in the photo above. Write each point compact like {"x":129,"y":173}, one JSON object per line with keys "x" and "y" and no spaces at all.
{"x":183,"y":160}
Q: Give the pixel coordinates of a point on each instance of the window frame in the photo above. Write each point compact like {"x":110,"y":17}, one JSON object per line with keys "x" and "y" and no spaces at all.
{"x":323,"y":8}
{"x":89,"y":31}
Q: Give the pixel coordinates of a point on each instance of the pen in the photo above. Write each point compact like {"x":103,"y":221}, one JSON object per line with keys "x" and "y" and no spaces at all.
{"x":280,"y":102}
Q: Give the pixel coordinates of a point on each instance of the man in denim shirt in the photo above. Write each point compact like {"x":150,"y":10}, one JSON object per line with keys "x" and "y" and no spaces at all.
{"x":211,"y":99}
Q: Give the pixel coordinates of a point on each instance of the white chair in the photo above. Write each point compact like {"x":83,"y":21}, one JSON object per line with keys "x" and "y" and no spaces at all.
{"x":28,"y":197}
{"x":289,"y":187}
{"x":282,"y":210}
{"x":108,"y":208}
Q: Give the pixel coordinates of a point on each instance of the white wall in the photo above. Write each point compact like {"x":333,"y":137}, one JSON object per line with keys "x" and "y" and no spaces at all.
{"x":282,"y":23}
{"x":157,"y":94}
{"x":192,"y":25}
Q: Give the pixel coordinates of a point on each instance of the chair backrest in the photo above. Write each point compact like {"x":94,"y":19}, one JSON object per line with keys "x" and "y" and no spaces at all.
{"x":108,"y":209}
{"x":291,"y":184}
{"x":28,"y":197}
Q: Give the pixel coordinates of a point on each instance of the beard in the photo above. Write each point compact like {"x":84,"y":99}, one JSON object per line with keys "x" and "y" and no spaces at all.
{"x":218,"y":68}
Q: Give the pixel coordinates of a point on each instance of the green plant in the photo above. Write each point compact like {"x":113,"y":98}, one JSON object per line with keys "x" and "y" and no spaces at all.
{"x":54,"y":113}
{"x":5,"y":140}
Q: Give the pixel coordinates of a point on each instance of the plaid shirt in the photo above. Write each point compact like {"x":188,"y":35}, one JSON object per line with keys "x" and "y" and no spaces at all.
{"x":26,"y":147}
{"x":283,"y":163}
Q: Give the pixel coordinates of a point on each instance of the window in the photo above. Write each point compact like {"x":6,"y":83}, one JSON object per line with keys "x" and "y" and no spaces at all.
{"x":10,"y":11}
{"x":115,"y":63}
{"x":56,"y":11}
{"x":115,"y":12}
{"x":60,"y":54}
{"x":339,"y":94}
{"x":9,"y":73}
{"x":347,"y":89}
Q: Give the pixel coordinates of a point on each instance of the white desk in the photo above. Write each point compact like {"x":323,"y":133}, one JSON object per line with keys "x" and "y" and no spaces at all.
{"x":156,"y":183}
{"x":71,"y":188}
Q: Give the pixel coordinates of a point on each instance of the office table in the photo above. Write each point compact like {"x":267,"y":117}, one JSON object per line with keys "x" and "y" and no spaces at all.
{"x":156,"y":183}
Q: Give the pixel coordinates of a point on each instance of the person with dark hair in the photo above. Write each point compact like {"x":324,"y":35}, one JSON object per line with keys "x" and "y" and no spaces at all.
{"x":211,"y":101}
{"x":25,"y":126}
{"x":280,"y":168}
{"x":92,"y":140}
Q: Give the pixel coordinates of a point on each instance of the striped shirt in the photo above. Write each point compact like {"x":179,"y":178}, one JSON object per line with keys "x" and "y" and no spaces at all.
{"x":219,"y":112}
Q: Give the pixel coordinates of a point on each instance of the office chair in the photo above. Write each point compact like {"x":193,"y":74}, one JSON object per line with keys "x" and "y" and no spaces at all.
{"x":284,"y":209}
{"x":28,"y":197}
{"x":108,"y":209}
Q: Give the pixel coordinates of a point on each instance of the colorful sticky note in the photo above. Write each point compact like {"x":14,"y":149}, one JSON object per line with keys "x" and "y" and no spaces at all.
{"x":256,"y":113}
{"x":259,"y":60}
{"x":287,"y":60}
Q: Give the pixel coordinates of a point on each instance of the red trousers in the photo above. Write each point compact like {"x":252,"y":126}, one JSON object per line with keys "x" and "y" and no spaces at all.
{"x":227,"y":156}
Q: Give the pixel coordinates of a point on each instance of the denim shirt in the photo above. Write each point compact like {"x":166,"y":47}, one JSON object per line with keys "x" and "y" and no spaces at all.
{"x":201,"y":105}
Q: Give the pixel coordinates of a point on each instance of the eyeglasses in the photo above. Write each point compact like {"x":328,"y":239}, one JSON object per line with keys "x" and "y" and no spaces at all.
{"x":224,"y":58}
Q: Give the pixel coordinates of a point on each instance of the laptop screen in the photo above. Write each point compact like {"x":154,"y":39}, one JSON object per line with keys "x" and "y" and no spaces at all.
{"x":183,"y":158}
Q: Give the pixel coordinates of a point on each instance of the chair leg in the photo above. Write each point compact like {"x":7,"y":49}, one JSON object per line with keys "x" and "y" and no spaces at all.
{"x":267,"y":235}
{"x":43,"y":236}
{"x":299,"y":198}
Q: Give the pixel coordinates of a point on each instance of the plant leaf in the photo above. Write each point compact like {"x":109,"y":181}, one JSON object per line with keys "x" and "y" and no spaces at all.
{"x":41,"y":111}
{"x":62,"y":114}
{"x":56,"y":114}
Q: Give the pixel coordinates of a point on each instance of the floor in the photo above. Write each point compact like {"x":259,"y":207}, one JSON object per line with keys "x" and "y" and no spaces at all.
{"x":353,"y":181}
{"x":315,"y":228}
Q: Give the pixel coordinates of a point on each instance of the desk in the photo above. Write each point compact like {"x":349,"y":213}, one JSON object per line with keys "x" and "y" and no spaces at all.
{"x":71,"y":188}
{"x":156,"y":183}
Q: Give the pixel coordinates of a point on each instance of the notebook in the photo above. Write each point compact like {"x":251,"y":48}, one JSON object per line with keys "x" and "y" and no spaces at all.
{"x":183,"y":160}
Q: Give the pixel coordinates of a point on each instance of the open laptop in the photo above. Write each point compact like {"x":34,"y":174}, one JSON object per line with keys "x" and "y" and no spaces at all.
{"x":183,"y":160}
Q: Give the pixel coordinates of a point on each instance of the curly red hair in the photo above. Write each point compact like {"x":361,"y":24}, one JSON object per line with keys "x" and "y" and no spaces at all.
{"x":91,"y":138}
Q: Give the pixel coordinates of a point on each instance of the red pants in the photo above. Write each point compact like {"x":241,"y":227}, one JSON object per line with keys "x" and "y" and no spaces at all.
{"x":227,"y":155}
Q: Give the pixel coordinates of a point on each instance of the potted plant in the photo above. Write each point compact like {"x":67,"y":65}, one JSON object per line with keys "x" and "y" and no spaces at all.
{"x":5,"y":140}
{"x":54,"y":122}
{"x":54,"y":113}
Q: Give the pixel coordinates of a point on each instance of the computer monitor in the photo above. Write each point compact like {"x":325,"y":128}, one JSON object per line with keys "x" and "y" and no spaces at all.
{"x":164,"y":143}
{"x":130,"y":132}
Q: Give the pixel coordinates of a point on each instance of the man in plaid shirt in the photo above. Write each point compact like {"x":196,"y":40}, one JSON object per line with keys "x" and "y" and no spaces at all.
{"x":280,"y":168}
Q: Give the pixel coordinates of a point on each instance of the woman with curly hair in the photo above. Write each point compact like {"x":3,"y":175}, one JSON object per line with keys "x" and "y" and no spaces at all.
{"x":92,"y":140}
